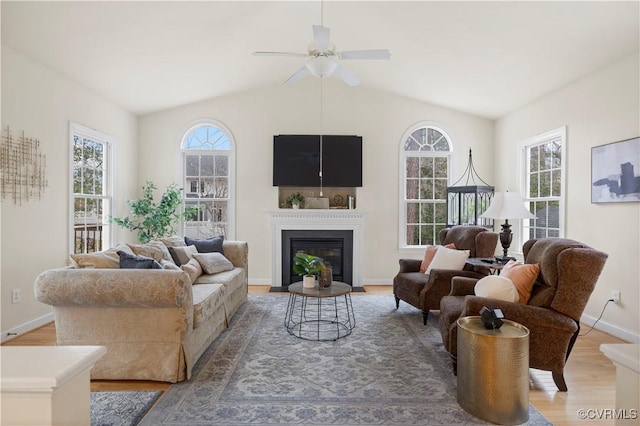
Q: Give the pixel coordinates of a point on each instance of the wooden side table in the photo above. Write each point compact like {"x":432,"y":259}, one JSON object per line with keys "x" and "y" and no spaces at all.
{"x":493,"y":371}
{"x":486,"y":262}
{"x":47,"y":385}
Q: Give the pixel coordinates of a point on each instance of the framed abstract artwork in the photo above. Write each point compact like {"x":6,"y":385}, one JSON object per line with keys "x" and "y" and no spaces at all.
{"x":615,"y":172}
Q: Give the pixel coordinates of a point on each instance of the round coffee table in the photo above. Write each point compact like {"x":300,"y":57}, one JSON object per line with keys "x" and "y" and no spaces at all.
{"x":321,"y":314}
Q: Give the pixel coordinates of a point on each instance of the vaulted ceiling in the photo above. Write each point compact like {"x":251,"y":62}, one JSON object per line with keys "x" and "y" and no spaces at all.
{"x":485,"y":58}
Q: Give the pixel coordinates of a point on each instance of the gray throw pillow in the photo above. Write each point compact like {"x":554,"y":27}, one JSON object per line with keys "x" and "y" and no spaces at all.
{"x":210,"y":245}
{"x":131,"y":261}
{"x":181,"y":255}
{"x":213,"y":263}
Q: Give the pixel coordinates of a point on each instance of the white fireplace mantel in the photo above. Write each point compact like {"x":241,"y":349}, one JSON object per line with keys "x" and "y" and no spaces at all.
{"x":316,"y":219}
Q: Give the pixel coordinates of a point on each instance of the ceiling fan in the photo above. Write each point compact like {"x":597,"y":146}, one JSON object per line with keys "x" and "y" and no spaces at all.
{"x":324,"y":60}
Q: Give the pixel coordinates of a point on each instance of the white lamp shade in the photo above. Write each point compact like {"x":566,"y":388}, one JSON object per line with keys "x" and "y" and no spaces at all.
{"x":321,"y":66}
{"x":507,"y":205}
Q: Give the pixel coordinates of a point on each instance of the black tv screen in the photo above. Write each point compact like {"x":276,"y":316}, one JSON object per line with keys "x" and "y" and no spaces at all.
{"x":296,"y":160}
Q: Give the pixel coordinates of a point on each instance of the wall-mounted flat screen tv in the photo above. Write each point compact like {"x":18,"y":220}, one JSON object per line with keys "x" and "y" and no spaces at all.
{"x":296,"y":160}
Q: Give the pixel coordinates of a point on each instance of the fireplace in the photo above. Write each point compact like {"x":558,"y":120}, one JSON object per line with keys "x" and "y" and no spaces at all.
{"x":323,"y":220}
{"x":333,"y":246}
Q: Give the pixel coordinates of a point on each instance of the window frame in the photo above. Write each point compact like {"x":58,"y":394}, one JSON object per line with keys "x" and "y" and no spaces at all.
{"x":109,"y":143}
{"x":559,"y":134}
{"x":403,"y":155}
{"x":183,"y":152}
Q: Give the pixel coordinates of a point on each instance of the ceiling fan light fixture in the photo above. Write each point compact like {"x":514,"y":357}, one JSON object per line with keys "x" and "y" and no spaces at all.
{"x":321,"y":66}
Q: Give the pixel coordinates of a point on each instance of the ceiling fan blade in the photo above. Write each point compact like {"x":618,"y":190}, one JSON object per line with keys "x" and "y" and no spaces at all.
{"x":321,"y":37}
{"x":346,"y":75}
{"x":297,"y":55}
{"x":365,"y":54}
{"x":297,"y":75}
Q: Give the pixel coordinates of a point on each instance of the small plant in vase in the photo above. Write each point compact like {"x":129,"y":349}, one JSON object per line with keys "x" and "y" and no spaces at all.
{"x":307,"y":266}
{"x":295,"y":201}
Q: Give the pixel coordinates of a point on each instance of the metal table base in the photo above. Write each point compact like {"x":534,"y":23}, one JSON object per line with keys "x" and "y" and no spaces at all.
{"x":320,"y":314}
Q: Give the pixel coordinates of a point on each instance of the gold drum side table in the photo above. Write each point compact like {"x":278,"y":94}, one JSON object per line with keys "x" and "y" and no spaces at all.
{"x":493,"y":371}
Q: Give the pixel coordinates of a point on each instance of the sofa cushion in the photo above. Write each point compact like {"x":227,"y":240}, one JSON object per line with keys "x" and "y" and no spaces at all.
{"x":131,"y":261}
{"x":207,"y":298}
{"x":193,"y":269}
{"x":107,"y":259}
{"x":213,"y":244}
{"x":446,"y":258}
{"x":213,"y":263}
{"x":232,"y":279}
{"x":496,"y":287}
{"x":182,"y":255}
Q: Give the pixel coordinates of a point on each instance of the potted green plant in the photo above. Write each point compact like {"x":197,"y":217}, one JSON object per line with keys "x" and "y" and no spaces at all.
{"x":155,"y":219}
{"x":307,"y":266}
{"x":295,"y":200}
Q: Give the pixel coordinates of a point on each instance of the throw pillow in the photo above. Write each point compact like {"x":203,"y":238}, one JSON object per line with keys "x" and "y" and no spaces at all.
{"x":446,"y":258}
{"x":212,"y":263}
{"x":173,"y":241}
{"x":429,"y":252}
{"x":193,"y":269}
{"x":168,"y":264}
{"x":131,"y":261}
{"x":153,"y":249}
{"x":496,"y":287}
{"x":181,"y":255}
{"x":523,"y":276}
{"x":107,"y":259}
{"x":209,"y":245}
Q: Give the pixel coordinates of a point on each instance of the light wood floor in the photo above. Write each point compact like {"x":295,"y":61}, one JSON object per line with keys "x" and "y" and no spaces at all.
{"x":589,"y":374}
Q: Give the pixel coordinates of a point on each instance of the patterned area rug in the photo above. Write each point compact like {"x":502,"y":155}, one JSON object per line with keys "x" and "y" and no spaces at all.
{"x":391,"y":370}
{"x":121,"y":408}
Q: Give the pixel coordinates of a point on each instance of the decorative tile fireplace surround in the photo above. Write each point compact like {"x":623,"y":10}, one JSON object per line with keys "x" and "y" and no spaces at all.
{"x":316,"y":219}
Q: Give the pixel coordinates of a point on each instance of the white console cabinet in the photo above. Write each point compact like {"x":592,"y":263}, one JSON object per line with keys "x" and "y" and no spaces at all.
{"x":46,"y":385}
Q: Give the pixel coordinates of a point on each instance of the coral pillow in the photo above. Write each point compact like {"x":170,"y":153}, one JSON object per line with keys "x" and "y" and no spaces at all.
{"x":446,"y":258}
{"x":523,"y":276}
{"x":496,"y":287}
{"x":429,"y":252}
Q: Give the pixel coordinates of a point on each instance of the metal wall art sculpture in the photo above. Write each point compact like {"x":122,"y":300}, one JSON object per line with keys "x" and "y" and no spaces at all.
{"x":22,"y":167}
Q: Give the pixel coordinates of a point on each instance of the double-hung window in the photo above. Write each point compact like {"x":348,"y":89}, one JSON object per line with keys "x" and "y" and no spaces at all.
{"x":543,"y":176}
{"x":91,"y":189}
{"x":207,"y":155}
{"x":425,"y":162}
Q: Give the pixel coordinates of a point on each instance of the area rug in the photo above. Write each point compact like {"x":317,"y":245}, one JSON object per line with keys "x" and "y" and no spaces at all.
{"x":392,"y":370}
{"x":120,"y":408}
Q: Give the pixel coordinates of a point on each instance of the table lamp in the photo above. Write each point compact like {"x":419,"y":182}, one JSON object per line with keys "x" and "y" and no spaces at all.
{"x":506,"y":205}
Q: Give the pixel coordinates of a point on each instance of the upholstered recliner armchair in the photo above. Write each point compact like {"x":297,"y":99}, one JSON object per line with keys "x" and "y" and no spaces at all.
{"x":424,"y":291}
{"x":568,"y":274}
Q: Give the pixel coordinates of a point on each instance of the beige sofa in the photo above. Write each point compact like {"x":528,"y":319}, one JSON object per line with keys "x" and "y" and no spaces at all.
{"x":154,"y":323}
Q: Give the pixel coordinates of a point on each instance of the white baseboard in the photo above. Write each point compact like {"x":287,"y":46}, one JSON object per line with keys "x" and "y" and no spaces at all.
{"x":612,"y":329}
{"x":259,"y":281}
{"x":26,"y":327}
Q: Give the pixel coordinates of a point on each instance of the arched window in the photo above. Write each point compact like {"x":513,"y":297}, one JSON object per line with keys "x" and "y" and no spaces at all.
{"x":208,"y":163}
{"x":425,"y":163}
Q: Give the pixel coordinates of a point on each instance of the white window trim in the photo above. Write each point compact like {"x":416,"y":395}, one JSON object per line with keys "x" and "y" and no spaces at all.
{"x":402,"y":202}
{"x":231,"y":208}
{"x":559,"y":133}
{"x":110,"y":143}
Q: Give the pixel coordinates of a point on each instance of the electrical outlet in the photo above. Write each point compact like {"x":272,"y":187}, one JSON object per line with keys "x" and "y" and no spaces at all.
{"x":15,"y":295}
{"x":615,"y":295}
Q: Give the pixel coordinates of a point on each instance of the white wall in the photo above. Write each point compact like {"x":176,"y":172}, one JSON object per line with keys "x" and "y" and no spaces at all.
{"x":604,"y":107}
{"x":254,"y":117}
{"x":35,"y":234}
